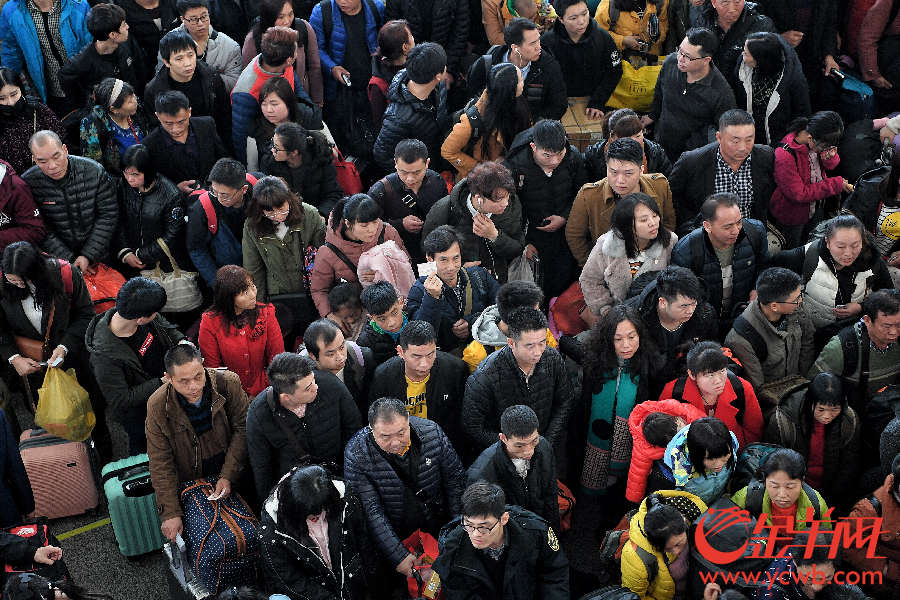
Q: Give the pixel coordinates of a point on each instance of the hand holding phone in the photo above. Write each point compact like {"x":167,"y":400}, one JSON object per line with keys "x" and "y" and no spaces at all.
{"x":346,"y":79}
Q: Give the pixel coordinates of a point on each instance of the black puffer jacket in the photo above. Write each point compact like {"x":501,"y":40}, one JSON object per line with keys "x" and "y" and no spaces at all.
{"x":865,"y":202}
{"x":371,"y":477}
{"x":331,"y":419}
{"x":146,"y":217}
{"x":383,"y":346}
{"x":80,"y":211}
{"x":731,"y":43}
{"x":408,"y":117}
{"x":318,"y":181}
{"x":449,"y":20}
{"x":499,"y":383}
{"x":595,"y":159}
{"x":294,"y":567}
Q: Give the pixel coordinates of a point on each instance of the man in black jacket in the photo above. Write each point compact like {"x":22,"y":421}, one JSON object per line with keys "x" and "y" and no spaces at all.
{"x":447,"y":26}
{"x":500,"y":551}
{"x":324,"y":342}
{"x":545,"y":88}
{"x":523,"y":464}
{"x":525,"y":372}
{"x":417,"y":105}
{"x":304,"y":416}
{"x":548,"y":172}
{"x":732,"y":21}
{"x":432,"y":382}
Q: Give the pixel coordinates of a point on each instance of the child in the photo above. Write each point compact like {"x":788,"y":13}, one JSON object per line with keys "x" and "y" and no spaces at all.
{"x":387,"y":320}
{"x":347,"y":310}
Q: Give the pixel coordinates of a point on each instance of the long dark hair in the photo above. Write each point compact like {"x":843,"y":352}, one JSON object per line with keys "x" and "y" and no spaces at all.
{"x":505,"y":113}
{"x":826,"y":127}
{"x":889,"y":187}
{"x":231,"y":281}
{"x":268,"y":14}
{"x":600,"y":359}
{"x":270,"y":193}
{"x":621,"y":222}
{"x":313,"y":146}
{"x":25,"y":260}
{"x":305,"y":492}
{"x":825,"y":389}
{"x":768,"y":53}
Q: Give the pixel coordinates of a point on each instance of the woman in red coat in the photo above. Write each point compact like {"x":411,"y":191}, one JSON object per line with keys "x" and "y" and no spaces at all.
{"x":238,"y":332}
{"x":710,"y":386}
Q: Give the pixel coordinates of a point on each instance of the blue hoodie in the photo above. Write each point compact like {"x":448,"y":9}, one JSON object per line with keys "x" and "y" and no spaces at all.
{"x":700,"y":482}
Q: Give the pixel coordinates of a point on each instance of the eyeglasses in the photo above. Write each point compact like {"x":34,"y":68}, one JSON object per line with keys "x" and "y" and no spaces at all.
{"x":220,"y":197}
{"x":796,"y":302}
{"x":276,"y":149}
{"x":277,"y":213}
{"x":688,"y":58}
{"x":481,"y":530}
{"x":820,"y":148}
{"x":197,"y":20}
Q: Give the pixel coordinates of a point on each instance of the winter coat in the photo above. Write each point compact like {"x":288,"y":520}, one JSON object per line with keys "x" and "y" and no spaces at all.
{"x":866,"y":203}
{"x":331,"y":420}
{"x":643,"y":454}
{"x":80,"y":211}
{"x":494,"y":256}
{"x":222,"y":54}
{"x":172,"y":442}
{"x":88,"y":67}
{"x":374,"y":481}
{"x":803,"y":502}
{"x":449,"y":26}
{"x":318,"y":184}
{"x":307,"y":67}
{"x":16,"y":132}
{"x":538,"y":491}
{"x":443,"y":392}
{"x":535,"y":566}
{"x":142,"y":26}
{"x":545,"y":88}
{"x":633,"y":23}
{"x":874,"y":28}
{"x":495,"y":16}
{"x":591,"y":66}
{"x":634,"y":572}
{"x":210,"y":251}
{"x":278,"y":265}
{"x":655,"y":159}
{"x":146,"y":217}
{"x":98,"y":141}
{"x":409,"y":117}
{"x":332,"y":53}
{"x":382,"y":75}
{"x":21,"y":49}
{"x":443,"y":312}
{"x":358,"y":372}
{"x":383,"y":346}
{"x":208,"y":142}
{"x":794,"y":194}
{"x":329,"y":270}
{"x":606,"y":278}
{"x":790,"y":347}
{"x":888,"y":542}
{"x":246,"y":351}
{"x":689,"y":476}
{"x":487,"y":338}
{"x":731,"y":42}
{"x":593,"y":206}
{"x":693,"y":180}
{"x":20,"y":219}
{"x":750,"y":259}
{"x":125,"y":384}
{"x":820,"y":39}
{"x":458,"y":141}
{"x":296,"y":568}
{"x":791,"y":426}
{"x":748,"y":430}
{"x":499,"y":383}
{"x":16,"y":498}
{"x":789,"y":100}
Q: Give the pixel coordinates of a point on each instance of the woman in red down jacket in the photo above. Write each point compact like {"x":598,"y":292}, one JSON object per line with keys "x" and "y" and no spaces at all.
{"x":238,"y":332}
{"x":669,"y":416}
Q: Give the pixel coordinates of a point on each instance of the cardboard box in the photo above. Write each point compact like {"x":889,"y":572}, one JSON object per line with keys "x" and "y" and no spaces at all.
{"x":582,"y":131}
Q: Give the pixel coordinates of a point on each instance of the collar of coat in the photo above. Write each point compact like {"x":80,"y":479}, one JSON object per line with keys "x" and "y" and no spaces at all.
{"x":614,"y":246}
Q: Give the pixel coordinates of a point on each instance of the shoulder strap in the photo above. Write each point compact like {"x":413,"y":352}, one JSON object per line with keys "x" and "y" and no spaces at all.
{"x":327,"y":23}
{"x":65,"y":271}
{"x":678,"y":389}
{"x":810,"y":262}
{"x":876,"y":504}
{"x":754,"y":238}
{"x":754,"y":500}
{"x":785,"y":428}
{"x":488,"y":63}
{"x":697,"y":254}
{"x":303,"y":457}
{"x":614,"y":14}
{"x":865,"y":347}
{"x":251,"y":179}
{"x":212,"y":221}
{"x":375,"y":14}
{"x":381,"y":235}
{"x":814,"y":500}
{"x":337,"y":251}
{"x":649,"y":562}
{"x":220,"y":381}
{"x":740,"y":402}
{"x":453,"y":217}
{"x":850,"y":350}
{"x":790,"y":150}
{"x":358,"y":351}
{"x":760,"y":348}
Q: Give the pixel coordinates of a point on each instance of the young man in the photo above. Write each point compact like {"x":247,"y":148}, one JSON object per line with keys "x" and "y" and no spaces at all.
{"x":591,"y":210}
{"x":431,"y":381}
{"x":548,"y":172}
{"x":522,"y":463}
{"x":773,"y":337}
{"x":183,"y":72}
{"x":417,"y":105}
{"x":214,"y":48}
{"x":407,"y":194}
{"x":184,"y":147}
{"x":732,"y":21}
{"x":127,"y":345}
{"x":387,"y":319}
{"x":324,"y":342}
{"x":525,"y":372}
{"x":347,"y":310}
{"x":195,"y":404}
{"x":690,"y":96}
{"x":499,"y":551}
{"x":452,"y":297}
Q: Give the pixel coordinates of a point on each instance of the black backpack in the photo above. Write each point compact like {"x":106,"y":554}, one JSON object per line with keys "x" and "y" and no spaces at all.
{"x":475,"y":121}
{"x":748,"y":461}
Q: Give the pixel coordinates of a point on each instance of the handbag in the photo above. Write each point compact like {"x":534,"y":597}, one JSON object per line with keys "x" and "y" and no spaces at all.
{"x":182,"y":291}
{"x":635,"y":89}
{"x":103,"y":287}
{"x":37,"y":350}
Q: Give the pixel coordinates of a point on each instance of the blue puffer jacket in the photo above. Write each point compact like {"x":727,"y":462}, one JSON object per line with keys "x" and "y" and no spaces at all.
{"x":374,"y":481}
{"x":21,"y":48}
{"x":332,"y":55}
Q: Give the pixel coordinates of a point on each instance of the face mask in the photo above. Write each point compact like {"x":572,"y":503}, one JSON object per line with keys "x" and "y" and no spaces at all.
{"x":15,"y":110}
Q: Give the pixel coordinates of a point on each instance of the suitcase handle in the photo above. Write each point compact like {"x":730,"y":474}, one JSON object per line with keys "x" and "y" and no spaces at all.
{"x":138,"y":488}
{"x":37,"y":432}
{"x":143,"y":468}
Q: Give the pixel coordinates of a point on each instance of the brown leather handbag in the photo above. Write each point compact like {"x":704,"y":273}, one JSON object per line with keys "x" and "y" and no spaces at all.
{"x":37,"y":350}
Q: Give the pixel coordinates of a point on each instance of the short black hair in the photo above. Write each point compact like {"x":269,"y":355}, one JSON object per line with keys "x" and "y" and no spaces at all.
{"x":515,"y":30}
{"x":344,"y":295}
{"x":379,"y":297}
{"x":286,"y":369}
{"x":708,"y":437}
{"x":483,"y":499}
{"x":229,"y":172}
{"x":525,"y":318}
{"x":140,"y":298}
{"x":714,"y":202}
{"x":386,"y":409}
{"x":704,"y":38}
{"x":181,"y":354}
{"x":416,"y":333}
{"x":518,"y":421}
{"x":776,"y":284}
{"x":182,"y":6}
{"x":171,"y":103}
{"x":138,"y":156}
{"x":410,"y":151}
{"x":562,"y":6}
{"x":104,"y":19}
{"x":659,"y":428}
{"x":734,"y":118}
{"x":320,"y":330}
{"x":550,"y":135}
{"x":706,"y":357}
{"x":824,"y":549}
{"x":515,"y":294}
{"x":425,"y":62}
{"x":440,"y":240}
{"x":783,"y":459}
{"x":886,"y":302}
{"x":627,"y":150}
{"x":674,"y":281}
{"x":177,"y":40}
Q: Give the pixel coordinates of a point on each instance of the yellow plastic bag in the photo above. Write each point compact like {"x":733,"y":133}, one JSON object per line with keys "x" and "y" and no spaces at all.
{"x":635,"y":89}
{"x":64,"y":408}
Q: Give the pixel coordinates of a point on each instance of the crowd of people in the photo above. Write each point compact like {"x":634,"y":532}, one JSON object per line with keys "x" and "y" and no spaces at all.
{"x":622,"y":321}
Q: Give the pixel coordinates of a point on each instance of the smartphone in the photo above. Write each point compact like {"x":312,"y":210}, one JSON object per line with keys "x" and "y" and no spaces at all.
{"x":841,"y":306}
{"x":346,"y":79}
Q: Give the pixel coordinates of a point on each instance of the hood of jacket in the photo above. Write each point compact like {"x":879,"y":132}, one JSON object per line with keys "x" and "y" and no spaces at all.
{"x":521,"y":143}
{"x":99,"y":339}
{"x":679,"y":461}
{"x":485,"y":330}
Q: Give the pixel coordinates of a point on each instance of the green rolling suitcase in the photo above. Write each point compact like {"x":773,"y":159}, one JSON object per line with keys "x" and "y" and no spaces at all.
{"x":132,"y":505}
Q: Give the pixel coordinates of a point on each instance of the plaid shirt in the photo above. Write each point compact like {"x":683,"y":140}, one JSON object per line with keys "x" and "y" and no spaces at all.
{"x":47,"y":27}
{"x":737,"y":182}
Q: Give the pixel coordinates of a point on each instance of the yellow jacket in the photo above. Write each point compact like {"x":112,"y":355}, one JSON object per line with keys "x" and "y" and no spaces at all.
{"x":495,"y":15}
{"x":453,"y":146}
{"x":630,"y":24}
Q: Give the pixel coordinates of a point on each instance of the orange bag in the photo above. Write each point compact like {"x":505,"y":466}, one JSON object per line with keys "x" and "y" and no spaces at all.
{"x":103,"y":287}
{"x":427,"y":584}
{"x":567,"y":311}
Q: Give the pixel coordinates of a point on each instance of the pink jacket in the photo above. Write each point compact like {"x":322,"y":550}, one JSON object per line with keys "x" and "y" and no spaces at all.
{"x":642,"y":452}
{"x":329,"y":270}
{"x":874,"y":26}
{"x":791,"y":200}
{"x":307,"y":68}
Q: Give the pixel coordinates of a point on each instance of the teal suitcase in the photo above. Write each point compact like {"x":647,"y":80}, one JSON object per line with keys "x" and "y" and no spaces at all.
{"x":132,"y":505}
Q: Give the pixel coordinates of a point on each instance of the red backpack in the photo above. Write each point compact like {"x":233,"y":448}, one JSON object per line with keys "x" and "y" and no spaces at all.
{"x":212,"y":221}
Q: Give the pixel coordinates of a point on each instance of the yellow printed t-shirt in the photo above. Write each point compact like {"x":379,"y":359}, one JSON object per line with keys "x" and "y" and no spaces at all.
{"x":415,"y":397}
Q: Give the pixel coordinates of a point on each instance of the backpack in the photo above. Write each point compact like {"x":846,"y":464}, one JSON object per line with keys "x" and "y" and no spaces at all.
{"x":748,"y":461}
{"x":740,"y":401}
{"x":390,"y":264}
{"x":880,"y":410}
{"x":475,"y":121}
{"x":212,"y":220}
{"x":861,"y":150}
{"x":756,"y":490}
{"x":328,"y":23}
{"x":610,"y":559}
